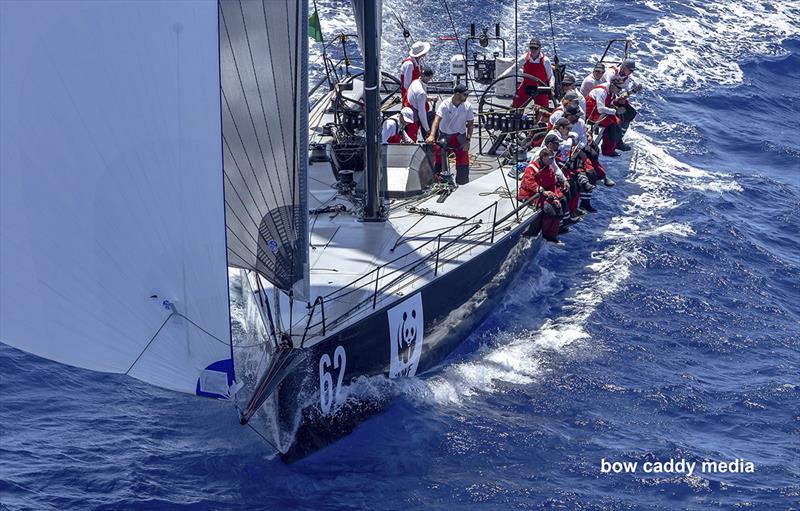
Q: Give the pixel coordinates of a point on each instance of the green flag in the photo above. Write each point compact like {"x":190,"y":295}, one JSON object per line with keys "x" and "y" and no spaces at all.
{"x":314,"y":28}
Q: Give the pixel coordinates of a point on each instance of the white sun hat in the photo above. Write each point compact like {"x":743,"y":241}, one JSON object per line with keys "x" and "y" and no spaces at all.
{"x":408,"y":114}
{"x":420,"y":48}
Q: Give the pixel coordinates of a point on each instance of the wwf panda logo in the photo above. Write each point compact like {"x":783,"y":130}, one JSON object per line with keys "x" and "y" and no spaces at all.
{"x":406,"y":331}
{"x":406,"y":337}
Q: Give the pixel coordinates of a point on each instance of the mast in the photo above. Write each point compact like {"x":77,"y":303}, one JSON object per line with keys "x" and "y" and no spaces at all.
{"x":371,"y":46}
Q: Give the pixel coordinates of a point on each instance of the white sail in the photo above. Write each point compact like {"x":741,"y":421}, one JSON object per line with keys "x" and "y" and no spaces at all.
{"x":111,"y":191}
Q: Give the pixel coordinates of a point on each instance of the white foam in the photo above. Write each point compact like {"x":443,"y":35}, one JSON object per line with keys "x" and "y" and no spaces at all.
{"x":703,"y":48}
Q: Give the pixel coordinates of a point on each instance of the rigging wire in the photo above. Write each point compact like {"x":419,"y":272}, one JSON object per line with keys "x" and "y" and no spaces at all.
{"x":552,"y":31}
{"x":403,"y":26}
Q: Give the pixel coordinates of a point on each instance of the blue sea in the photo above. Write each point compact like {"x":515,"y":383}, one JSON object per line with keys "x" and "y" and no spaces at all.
{"x":666,"y":328}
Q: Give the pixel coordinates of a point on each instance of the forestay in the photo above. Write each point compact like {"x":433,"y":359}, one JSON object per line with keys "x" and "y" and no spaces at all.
{"x":264,"y":60}
{"x":111,"y":195}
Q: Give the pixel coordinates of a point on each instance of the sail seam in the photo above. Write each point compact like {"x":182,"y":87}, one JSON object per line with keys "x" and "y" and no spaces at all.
{"x":250,"y":114}
{"x":261,"y":100}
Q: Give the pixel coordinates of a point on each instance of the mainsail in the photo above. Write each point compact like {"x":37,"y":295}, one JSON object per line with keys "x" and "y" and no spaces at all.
{"x":115,"y":120}
{"x":263,"y":58}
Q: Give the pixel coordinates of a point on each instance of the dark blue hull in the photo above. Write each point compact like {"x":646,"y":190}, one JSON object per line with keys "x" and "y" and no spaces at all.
{"x":452,"y":306}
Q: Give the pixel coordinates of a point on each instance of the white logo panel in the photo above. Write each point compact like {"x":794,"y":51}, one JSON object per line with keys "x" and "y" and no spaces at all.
{"x":406,"y":327}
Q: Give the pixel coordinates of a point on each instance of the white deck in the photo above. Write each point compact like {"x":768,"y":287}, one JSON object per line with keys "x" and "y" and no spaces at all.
{"x":344,"y":249}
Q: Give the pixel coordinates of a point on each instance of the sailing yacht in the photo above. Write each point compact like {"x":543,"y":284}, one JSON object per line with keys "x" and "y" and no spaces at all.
{"x":149,"y":148}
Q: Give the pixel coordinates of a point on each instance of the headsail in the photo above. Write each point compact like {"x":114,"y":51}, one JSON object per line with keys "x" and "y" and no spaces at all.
{"x":264,"y":60}
{"x":112,"y":241}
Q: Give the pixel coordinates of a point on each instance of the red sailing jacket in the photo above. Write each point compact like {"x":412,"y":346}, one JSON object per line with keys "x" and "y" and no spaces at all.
{"x":535,"y":176}
{"x":591,"y":105}
{"x":415,"y":73}
{"x":534,"y":69}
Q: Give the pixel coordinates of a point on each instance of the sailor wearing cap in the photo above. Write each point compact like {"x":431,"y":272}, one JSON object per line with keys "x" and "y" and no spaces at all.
{"x":569,"y":85}
{"x":452,"y":129}
{"x":593,"y":79}
{"x":537,"y":71}
{"x":625,"y":72}
{"x":601,"y":108}
{"x":540,"y":179}
{"x":411,"y":67}
{"x":571,"y":98}
{"x":393,"y":132}
{"x":417,"y":100}
{"x":574,"y":115}
{"x":629,"y":86}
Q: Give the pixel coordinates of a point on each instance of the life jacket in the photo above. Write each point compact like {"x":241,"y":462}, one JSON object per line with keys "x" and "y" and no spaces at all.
{"x":415,"y":73}
{"x":539,"y":70}
{"x":397,"y":138}
{"x":591,"y":104}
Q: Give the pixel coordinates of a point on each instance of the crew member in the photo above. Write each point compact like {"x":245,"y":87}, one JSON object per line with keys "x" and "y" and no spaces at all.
{"x":395,"y":127}
{"x":594,"y":169}
{"x":452,"y":129}
{"x":540,"y":178}
{"x":569,"y":88}
{"x":537,"y":71}
{"x":602,"y":109}
{"x":411,"y":66}
{"x":571,"y":98}
{"x":593,"y":79}
{"x":629,"y":86}
{"x":417,"y":101}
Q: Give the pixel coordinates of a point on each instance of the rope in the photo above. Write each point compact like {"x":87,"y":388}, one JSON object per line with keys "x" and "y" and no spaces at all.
{"x":257,"y":432}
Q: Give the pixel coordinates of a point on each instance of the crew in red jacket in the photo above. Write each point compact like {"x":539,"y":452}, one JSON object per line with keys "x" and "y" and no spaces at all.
{"x":540,"y":177}
{"x":539,"y":72}
{"x":602,"y":109}
{"x":411,"y":67}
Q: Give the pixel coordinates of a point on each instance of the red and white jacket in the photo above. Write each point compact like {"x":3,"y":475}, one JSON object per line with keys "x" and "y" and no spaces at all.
{"x":628,"y":83}
{"x":536,"y":176}
{"x":599,"y":102}
{"x":540,"y":67}
{"x":410,"y":70}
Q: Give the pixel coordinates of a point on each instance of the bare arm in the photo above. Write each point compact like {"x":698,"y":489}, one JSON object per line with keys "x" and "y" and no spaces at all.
{"x":434,"y":129}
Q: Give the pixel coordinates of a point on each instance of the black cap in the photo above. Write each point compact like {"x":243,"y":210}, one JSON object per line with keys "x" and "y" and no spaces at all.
{"x":600,"y":67}
{"x":617,"y":81}
{"x":426,"y":71}
{"x":562,"y":122}
{"x":568,"y":80}
{"x":535,"y":42}
{"x":629,"y":64}
{"x":460,"y":87}
{"x":552,"y":139}
{"x":573,"y":110}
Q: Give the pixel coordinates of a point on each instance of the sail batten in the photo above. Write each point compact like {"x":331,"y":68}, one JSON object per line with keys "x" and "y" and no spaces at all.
{"x":263,"y":59}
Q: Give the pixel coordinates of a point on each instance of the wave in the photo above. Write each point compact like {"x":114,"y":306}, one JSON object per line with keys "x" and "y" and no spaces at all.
{"x":706,"y":45}
{"x":519,"y":358}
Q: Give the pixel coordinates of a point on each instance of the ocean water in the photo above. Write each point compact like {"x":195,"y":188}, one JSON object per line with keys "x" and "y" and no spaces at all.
{"x":667,"y":327}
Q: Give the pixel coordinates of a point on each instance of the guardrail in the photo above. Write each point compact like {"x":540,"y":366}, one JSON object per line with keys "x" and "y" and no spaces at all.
{"x":406,"y":270}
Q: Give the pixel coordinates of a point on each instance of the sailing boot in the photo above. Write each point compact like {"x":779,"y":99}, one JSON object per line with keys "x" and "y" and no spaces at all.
{"x":462,"y":174}
{"x":586,"y":205}
{"x":622,"y":146}
{"x":608,"y":182}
